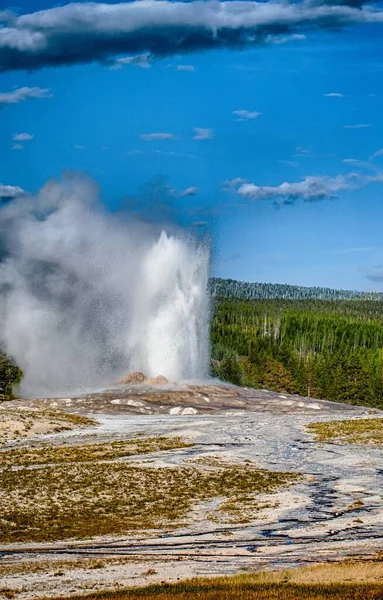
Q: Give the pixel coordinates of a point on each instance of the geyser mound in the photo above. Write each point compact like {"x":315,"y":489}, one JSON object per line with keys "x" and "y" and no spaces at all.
{"x":87,"y":295}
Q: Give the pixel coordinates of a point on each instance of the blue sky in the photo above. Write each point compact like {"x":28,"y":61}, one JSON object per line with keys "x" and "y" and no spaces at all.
{"x":220,"y":129}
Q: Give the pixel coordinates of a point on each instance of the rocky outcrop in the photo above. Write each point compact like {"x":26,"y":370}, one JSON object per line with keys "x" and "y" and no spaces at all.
{"x":137,"y":377}
{"x":160,"y":380}
{"x":134,"y":377}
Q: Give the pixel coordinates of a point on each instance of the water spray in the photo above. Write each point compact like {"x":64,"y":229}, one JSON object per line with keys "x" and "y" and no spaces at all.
{"x":87,"y":295}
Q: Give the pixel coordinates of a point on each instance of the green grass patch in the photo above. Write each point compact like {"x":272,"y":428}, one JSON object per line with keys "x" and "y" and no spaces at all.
{"x":353,"y":431}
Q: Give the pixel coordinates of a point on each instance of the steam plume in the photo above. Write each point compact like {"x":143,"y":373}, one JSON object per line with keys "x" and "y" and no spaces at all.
{"x":87,"y":295}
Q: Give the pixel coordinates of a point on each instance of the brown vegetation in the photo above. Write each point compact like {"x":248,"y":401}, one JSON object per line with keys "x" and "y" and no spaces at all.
{"x":21,"y":423}
{"x":344,"y":581}
{"x":353,"y":431}
{"x":89,"y":490}
{"x":67,"y":453}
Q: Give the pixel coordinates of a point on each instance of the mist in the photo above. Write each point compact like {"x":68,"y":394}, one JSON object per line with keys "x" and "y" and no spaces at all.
{"x":87,"y":295}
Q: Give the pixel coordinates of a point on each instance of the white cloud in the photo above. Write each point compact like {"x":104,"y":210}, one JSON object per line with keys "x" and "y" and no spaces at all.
{"x":377,"y":178}
{"x":376,"y":154}
{"x":140,"y":60}
{"x":289,"y":163}
{"x":246,"y":114}
{"x":7,"y":192}
{"x":188,"y":68}
{"x":172,"y":153}
{"x":190,"y":191}
{"x":362,"y":164}
{"x":157,"y":136}
{"x":23,"y":93}
{"x":299,"y":150}
{"x":201,"y":133}
{"x":357,"y":126}
{"x":17,"y":147}
{"x":231,"y":184}
{"x":80,"y":147}
{"x":23,"y":137}
{"x":284,"y":39}
{"x":335,"y":95}
{"x":6,"y":15}
{"x":311,"y":188}
{"x":160,"y":152}
{"x":352,"y":250}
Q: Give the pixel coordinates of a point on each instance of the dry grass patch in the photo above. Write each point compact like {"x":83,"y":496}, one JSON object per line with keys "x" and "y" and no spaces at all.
{"x":23,"y":423}
{"x":68,"y":453}
{"x":284,"y":591}
{"x":8,"y":593}
{"x":344,"y":581}
{"x":348,"y":571}
{"x":50,"y":566}
{"x":353,"y":431}
{"x":81,"y":500}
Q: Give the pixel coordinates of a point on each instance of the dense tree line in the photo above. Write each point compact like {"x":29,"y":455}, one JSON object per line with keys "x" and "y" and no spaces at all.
{"x":230,"y":288}
{"x":299,"y":343}
{"x":320,"y":349}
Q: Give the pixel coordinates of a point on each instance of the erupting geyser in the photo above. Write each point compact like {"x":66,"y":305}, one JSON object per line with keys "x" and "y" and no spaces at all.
{"x":87,"y":295}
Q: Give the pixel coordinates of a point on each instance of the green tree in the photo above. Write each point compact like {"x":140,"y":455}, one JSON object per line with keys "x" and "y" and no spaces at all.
{"x":352,"y":382}
{"x":230,"y":370}
{"x":329,"y":348}
{"x":276,"y":377}
{"x":10,"y":375}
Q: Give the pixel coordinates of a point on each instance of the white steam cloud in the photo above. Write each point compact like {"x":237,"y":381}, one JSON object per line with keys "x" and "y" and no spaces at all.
{"x":87,"y":295}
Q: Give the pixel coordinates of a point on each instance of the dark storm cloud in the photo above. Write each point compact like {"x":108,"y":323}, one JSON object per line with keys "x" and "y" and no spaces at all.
{"x":86,"y":32}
